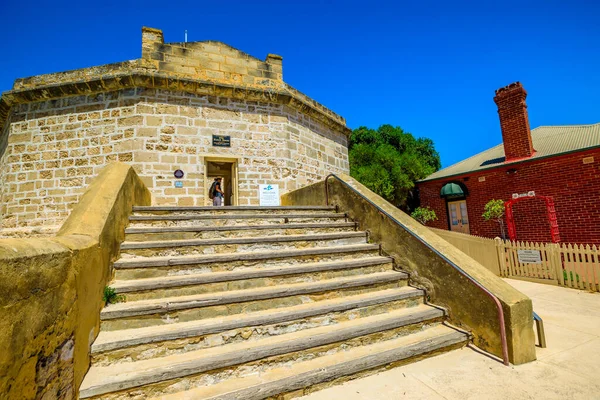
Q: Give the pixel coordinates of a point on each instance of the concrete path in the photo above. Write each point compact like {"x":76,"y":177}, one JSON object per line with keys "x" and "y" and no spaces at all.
{"x":569,"y":368}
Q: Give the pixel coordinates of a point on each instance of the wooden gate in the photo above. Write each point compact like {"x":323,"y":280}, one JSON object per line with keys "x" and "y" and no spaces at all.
{"x":571,"y":265}
{"x":512,"y":264}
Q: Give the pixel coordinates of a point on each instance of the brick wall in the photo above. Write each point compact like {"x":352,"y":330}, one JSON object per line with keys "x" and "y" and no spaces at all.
{"x":575,"y":187}
{"x":56,"y":147}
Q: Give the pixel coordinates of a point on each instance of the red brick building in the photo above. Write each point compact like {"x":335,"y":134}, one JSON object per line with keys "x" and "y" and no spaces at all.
{"x":558,"y":161}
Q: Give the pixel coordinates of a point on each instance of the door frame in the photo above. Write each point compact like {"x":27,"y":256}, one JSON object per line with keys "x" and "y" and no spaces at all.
{"x":235,"y":180}
{"x":456,"y":197}
{"x":449,"y":217}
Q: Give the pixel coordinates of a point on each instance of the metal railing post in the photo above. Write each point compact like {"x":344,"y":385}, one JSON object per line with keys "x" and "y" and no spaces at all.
{"x":539,"y":325}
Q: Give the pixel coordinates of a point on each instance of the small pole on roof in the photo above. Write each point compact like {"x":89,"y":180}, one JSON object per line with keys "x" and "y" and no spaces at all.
{"x":185,"y":36}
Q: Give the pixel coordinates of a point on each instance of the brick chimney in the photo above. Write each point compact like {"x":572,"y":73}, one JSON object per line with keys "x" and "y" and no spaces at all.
{"x":514,"y":121}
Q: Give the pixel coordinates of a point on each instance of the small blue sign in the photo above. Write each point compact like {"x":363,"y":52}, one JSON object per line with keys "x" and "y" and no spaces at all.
{"x":178,"y":184}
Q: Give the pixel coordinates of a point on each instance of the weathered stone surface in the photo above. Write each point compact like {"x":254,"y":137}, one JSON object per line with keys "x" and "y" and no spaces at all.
{"x":129,"y":375}
{"x":205,"y":232}
{"x":271,"y":321}
{"x":51,"y":290}
{"x":158,"y":134}
{"x":249,"y":304}
{"x":169,"y":304}
{"x":159,"y":112}
{"x":193,"y":284}
{"x":287,"y":382}
{"x":404,"y":241}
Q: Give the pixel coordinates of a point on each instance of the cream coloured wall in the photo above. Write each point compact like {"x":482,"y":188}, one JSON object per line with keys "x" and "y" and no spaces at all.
{"x":56,"y":147}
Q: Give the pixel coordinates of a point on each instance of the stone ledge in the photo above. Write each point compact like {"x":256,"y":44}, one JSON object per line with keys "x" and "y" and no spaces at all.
{"x":405,"y":242}
{"x":112,"y":77}
{"x":51,"y":289}
{"x":152,"y":30}
{"x":113,"y":340}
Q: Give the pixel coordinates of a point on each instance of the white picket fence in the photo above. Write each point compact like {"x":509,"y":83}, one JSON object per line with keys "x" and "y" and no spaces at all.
{"x":563,"y":264}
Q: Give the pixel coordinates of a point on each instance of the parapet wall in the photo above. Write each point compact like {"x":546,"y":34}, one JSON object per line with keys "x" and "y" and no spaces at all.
{"x":3,"y":188}
{"x":211,"y":60}
{"x":467,"y":305}
{"x":51,"y":290}
{"x":210,"y":68}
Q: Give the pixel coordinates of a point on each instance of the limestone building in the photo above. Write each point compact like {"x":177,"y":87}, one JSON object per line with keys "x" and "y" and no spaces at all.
{"x":203,"y":108}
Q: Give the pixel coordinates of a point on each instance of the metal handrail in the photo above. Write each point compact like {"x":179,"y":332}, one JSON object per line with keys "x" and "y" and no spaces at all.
{"x":539,"y":324}
{"x":448,"y":261}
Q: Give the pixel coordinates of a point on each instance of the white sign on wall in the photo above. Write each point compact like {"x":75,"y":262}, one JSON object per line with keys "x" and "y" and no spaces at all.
{"x":529,"y":256}
{"x":531,"y":193}
{"x":268,"y":195}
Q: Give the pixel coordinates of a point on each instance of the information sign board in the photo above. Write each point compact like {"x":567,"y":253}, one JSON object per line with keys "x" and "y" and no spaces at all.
{"x":529,"y":256}
{"x":221,"y":141}
{"x":268,"y":195}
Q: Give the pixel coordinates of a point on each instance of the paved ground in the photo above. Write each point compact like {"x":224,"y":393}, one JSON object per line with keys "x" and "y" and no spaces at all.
{"x":569,"y":368}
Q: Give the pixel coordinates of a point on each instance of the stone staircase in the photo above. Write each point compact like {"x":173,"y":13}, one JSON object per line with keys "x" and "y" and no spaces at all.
{"x":254,"y":302}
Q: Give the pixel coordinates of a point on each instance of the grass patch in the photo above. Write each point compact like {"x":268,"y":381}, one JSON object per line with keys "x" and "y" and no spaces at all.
{"x":573,"y":279}
{"x":111,"y":297}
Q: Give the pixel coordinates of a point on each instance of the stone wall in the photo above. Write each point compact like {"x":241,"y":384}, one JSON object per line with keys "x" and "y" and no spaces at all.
{"x":159,"y":113}
{"x":210,"y":60}
{"x":3,"y":188}
{"x":51,"y":290}
{"x":419,"y":251}
{"x":55,"y":147}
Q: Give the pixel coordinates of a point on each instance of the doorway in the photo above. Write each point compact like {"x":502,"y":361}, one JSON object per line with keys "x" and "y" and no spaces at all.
{"x":226,"y":169}
{"x":457,"y":216}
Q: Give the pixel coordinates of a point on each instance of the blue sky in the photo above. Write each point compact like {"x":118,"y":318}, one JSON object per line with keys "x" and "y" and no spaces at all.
{"x":430,"y":67}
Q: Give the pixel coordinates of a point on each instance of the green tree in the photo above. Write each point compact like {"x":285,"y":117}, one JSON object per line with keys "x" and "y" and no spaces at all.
{"x":389,"y":161}
{"x":494,"y":210}
{"x":424,"y":215}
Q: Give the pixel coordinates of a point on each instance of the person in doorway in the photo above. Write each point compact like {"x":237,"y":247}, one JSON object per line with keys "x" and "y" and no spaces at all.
{"x":218,"y":195}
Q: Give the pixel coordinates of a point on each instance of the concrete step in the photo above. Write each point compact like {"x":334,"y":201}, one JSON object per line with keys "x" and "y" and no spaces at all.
{"x":178,"y":216}
{"x":164,"y":210}
{"x":157,"y":341}
{"x":177,"y":219}
{"x":305,"y":377}
{"x":137,"y":314}
{"x":131,"y":267}
{"x":212,"y":232}
{"x":247,"y":278}
{"x":195,"y":366}
{"x":240,"y":244}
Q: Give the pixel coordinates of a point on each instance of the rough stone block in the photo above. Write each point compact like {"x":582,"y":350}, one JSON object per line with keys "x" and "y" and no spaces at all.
{"x":130,"y":121}
{"x":215,"y":75}
{"x":147,"y":132}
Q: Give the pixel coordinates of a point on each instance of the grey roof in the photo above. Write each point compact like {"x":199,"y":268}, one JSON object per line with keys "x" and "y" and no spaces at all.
{"x":547,"y":141}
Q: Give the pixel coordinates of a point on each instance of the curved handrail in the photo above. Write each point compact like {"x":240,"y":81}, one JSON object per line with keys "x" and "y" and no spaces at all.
{"x":449,"y":262}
